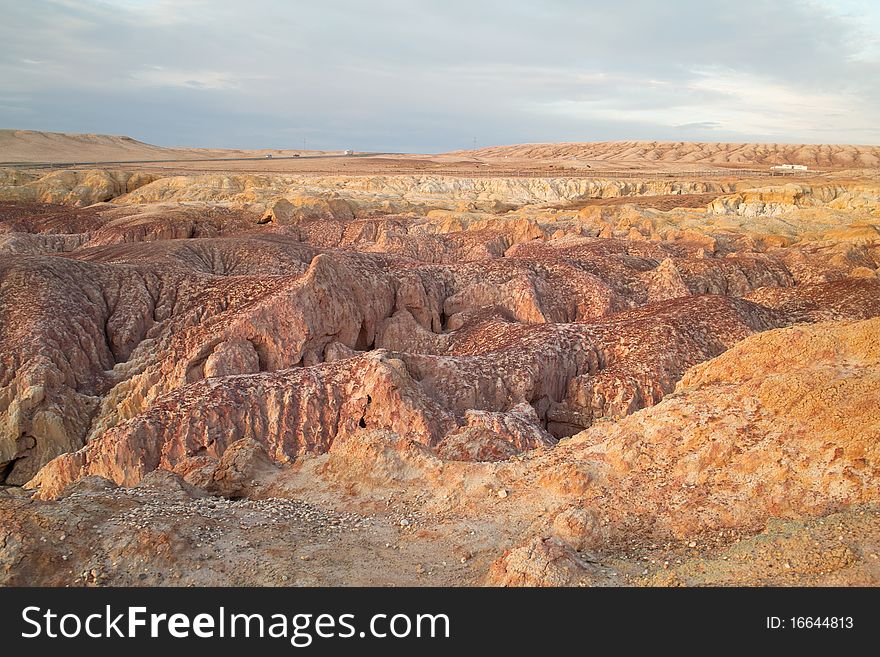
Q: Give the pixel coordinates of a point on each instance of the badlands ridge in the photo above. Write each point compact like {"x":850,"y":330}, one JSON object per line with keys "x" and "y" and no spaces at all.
{"x":289,"y":379}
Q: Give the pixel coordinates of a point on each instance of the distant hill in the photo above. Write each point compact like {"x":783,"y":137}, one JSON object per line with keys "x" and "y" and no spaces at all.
{"x":707,"y":153}
{"x":35,"y":146}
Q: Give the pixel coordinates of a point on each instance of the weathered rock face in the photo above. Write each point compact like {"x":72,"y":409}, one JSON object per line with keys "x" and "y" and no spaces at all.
{"x":72,"y":187}
{"x":479,"y":319}
{"x":572,"y":375}
{"x":393,"y":193}
{"x":783,"y":424}
{"x":232,"y":357}
{"x":302,"y":209}
{"x":236,"y":475}
{"x":566,"y":374}
{"x":542,"y":562}
{"x":770,"y":201}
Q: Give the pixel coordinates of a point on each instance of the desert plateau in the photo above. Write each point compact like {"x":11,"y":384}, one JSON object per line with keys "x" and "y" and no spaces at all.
{"x":585,"y":364}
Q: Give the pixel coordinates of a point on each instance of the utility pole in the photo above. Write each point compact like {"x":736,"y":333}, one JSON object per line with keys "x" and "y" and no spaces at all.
{"x":475,"y":143}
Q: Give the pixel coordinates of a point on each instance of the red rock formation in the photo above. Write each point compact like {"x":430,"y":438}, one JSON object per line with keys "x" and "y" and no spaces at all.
{"x":573,"y":375}
{"x":479,"y":343}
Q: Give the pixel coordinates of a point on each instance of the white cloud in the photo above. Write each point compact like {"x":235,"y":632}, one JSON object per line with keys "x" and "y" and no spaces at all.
{"x":159,"y":76}
{"x":738,"y":104}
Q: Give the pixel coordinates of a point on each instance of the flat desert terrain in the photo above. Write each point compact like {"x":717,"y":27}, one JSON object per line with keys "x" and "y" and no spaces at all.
{"x":598,"y":364}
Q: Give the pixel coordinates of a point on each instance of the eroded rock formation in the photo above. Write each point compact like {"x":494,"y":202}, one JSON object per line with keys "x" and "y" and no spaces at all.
{"x":638,"y":368}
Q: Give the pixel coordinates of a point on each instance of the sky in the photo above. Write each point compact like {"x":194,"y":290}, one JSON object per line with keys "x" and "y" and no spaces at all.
{"x":432,"y":76}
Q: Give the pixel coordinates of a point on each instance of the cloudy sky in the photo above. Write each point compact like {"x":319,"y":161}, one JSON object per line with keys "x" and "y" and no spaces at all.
{"x":429,"y":76}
